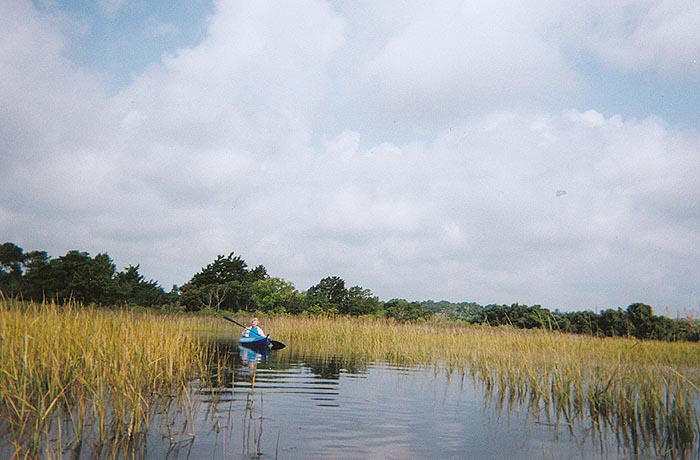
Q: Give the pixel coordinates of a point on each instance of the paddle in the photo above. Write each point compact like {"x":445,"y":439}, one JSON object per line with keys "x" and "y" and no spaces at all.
{"x":275,"y":344}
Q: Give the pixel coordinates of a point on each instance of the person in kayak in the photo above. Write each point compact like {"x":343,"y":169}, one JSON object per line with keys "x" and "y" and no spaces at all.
{"x":254,"y":330}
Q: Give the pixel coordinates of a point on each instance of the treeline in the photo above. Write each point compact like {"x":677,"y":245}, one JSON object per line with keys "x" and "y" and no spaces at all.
{"x":638,"y":320}
{"x":75,"y":276}
{"x":227,"y":283}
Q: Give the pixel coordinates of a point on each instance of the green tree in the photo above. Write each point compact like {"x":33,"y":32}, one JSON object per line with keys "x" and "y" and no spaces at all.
{"x":37,"y":275}
{"x":84,"y":279}
{"x":224,"y":284}
{"x":405,"y":311}
{"x":329,"y":295}
{"x":273,"y":294}
{"x":641,"y":320}
{"x":33,"y":275}
{"x":12,"y":259}
{"x":361,"y":302}
{"x":582,"y":322}
{"x":612,"y":323}
{"x":75,"y":276}
{"x":496,"y":315}
{"x":469,"y":311}
{"x":133,"y":288}
{"x":222,"y":270}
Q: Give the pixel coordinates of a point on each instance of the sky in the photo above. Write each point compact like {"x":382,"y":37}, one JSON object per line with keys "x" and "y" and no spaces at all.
{"x":539,"y":152}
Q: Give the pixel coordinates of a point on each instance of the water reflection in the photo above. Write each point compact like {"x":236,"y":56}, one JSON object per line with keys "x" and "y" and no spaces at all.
{"x":289,"y":404}
{"x":242,"y":370}
{"x":333,"y":407}
{"x":241,"y":383}
{"x":251,"y":358}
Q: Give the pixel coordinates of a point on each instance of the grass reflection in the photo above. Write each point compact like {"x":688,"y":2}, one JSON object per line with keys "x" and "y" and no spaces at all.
{"x":85,"y":379}
{"x":645,"y":392}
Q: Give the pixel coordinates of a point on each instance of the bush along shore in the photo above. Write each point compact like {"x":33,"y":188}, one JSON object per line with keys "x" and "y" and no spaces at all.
{"x":228,"y":284}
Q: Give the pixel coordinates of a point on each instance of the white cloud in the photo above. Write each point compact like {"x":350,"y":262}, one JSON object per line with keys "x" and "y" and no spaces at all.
{"x":418,"y":66}
{"x":48,"y":103}
{"x":466,"y":55}
{"x":476,"y":213}
{"x":275,"y":137}
{"x":254,"y":82}
{"x":660,"y":35}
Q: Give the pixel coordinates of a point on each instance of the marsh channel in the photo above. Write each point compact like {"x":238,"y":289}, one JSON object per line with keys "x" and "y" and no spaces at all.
{"x":292,"y":406}
{"x":297,"y":404}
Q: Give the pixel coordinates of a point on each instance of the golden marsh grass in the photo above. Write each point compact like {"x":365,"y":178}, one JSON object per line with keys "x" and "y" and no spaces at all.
{"x":100,"y":369}
{"x":647,"y":392}
{"x":103,"y":370}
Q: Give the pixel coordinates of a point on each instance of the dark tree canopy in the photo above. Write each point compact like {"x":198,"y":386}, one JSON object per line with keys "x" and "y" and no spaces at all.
{"x":76,"y":276}
{"x":12,"y":259}
{"x":329,"y":295}
{"x":402,"y":310}
{"x":638,"y":321}
{"x":224,"y":284}
{"x":227,"y":283}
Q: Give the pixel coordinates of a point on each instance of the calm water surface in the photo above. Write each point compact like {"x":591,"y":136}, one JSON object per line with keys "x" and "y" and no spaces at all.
{"x":292,"y":406}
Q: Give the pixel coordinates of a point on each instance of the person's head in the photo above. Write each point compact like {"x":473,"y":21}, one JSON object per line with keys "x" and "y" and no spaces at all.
{"x":254,"y":322}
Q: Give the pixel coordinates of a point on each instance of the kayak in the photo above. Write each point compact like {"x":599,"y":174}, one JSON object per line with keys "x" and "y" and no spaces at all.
{"x":255,"y":342}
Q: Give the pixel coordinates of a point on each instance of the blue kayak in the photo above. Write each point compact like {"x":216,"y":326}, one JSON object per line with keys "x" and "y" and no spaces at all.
{"x":255,"y":342}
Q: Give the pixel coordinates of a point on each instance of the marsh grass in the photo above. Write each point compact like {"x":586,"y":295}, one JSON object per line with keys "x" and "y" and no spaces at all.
{"x":70,"y":374}
{"x":646,"y":392}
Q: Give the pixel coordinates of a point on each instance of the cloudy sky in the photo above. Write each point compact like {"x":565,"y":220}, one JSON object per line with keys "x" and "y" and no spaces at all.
{"x":540,"y":152}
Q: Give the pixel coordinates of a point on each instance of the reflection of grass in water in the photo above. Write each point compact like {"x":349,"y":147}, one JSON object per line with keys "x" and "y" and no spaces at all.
{"x":103,"y":370}
{"x":647,"y":392}
{"x":98,"y":369}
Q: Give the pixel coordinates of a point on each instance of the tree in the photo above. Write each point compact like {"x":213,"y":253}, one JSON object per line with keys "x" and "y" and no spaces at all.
{"x":75,"y":276}
{"x":361,"y":302}
{"x":12,"y":259}
{"x":223,"y":284}
{"x":329,"y":295}
{"x":134,"y":289}
{"x":469,"y":311}
{"x":222,"y":270}
{"x":496,"y":315}
{"x":273,"y":294}
{"x":582,"y":322}
{"x":404,"y":311}
{"x":37,"y":275}
{"x":612,"y":323}
{"x":641,"y":320}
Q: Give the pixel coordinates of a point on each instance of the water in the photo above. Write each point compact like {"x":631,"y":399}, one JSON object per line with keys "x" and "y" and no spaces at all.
{"x":293,"y":405}
{"x":289,"y":406}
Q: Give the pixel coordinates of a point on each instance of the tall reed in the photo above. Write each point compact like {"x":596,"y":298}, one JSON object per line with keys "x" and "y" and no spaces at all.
{"x":98,"y":369}
{"x":646,"y":392}
{"x":102,"y":370}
